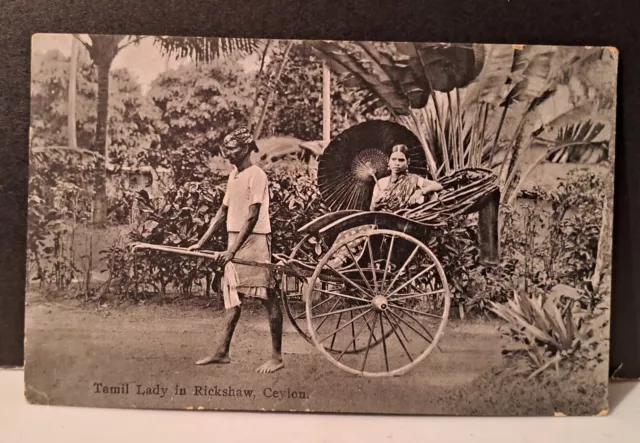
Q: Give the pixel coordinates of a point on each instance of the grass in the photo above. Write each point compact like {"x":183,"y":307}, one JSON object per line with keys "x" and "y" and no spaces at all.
{"x":583,"y":393}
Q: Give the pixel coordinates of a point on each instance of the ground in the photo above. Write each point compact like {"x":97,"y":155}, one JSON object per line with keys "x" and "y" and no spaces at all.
{"x":72,"y":346}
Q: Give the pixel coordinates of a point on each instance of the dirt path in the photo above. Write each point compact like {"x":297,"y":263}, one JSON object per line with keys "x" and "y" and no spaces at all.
{"x":70,"y":349}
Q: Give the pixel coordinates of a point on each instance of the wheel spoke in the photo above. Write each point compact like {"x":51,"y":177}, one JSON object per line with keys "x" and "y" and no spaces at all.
{"x":405,"y":284}
{"x":386,"y":264}
{"x":364,"y":278}
{"x":308,"y":256}
{"x":395,"y":327}
{"x":416,"y":295}
{"x":333,"y":339}
{"x":345,"y":325}
{"x":429,"y":340}
{"x":353,"y":331}
{"x":373,"y":266}
{"x":401,"y":330}
{"x":325,"y":319}
{"x":366,"y":352}
{"x":426,"y":314}
{"x":424,"y":328}
{"x":339,"y":294}
{"x":348,"y":280}
{"x":370,"y":330}
{"x":406,"y":262}
{"x":353,"y":342}
{"x":384,"y":343}
{"x":315,"y":306}
{"x":341,"y":311}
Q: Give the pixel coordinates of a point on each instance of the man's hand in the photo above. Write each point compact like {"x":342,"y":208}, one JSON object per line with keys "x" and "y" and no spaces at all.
{"x":195,"y":247}
{"x":222,"y":258}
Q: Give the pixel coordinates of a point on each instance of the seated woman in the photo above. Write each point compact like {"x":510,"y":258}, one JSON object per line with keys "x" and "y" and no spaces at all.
{"x":400,"y":190}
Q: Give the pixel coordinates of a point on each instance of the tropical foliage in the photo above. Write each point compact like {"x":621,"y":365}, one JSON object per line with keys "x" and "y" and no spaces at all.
{"x":554,"y":331}
{"x":193,"y":107}
{"x":450,"y":95}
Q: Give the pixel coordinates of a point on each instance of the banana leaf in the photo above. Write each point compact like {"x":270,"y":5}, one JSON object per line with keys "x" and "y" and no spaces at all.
{"x":443,"y":67}
{"x":378,"y":81}
{"x":401,"y":74}
{"x":491,"y":84}
{"x":531,"y":72}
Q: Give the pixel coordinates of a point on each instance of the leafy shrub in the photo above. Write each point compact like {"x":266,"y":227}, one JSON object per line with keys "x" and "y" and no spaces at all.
{"x":552,"y":240}
{"x":179,"y":218}
{"x":577,"y":217}
{"x":295,"y":201}
{"x":182,"y":216}
{"x":455,"y":246}
{"x":553,"y":330}
{"x":60,"y":199}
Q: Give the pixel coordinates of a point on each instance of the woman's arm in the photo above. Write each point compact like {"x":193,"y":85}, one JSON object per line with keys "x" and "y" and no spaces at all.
{"x":374,"y":198}
{"x":427,"y":186}
{"x":376,"y":194}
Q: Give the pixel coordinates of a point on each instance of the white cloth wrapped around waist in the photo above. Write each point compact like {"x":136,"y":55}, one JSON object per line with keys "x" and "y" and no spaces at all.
{"x":229,"y":283}
{"x":251,"y":281}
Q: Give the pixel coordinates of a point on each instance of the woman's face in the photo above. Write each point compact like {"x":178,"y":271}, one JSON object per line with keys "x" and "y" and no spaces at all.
{"x":398,"y":162}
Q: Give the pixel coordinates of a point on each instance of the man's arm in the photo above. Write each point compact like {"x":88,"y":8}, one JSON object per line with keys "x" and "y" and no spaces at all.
{"x":216,"y":223}
{"x":245,"y":231}
{"x":247,"y":227}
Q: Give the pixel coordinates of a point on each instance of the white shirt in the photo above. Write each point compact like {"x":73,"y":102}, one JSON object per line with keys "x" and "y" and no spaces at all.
{"x":243,"y":190}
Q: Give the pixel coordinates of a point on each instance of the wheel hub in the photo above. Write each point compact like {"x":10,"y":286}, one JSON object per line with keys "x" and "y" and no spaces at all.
{"x":379,"y":303}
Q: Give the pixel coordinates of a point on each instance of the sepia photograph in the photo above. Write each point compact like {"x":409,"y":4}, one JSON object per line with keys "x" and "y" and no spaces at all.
{"x":319,"y":226}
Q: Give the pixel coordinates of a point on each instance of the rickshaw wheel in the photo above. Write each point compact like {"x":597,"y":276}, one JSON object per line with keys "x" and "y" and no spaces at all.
{"x":297,"y":314}
{"x":402,"y":289}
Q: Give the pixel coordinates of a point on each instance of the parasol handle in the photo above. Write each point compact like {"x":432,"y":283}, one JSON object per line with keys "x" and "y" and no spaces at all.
{"x":371,"y":171}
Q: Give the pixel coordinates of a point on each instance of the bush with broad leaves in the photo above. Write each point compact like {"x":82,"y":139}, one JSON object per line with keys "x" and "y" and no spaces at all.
{"x":295,"y":201}
{"x":553,"y":332}
{"x":182,"y":216}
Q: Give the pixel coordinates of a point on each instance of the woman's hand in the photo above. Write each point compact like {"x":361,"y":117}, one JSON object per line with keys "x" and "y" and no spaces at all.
{"x":417,"y":198}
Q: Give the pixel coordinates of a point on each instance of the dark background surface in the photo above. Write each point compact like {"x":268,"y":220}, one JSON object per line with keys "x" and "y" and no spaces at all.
{"x":562,"y":22}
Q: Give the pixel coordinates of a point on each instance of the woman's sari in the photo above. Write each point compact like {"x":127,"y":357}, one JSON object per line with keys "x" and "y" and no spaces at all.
{"x":396,"y":196}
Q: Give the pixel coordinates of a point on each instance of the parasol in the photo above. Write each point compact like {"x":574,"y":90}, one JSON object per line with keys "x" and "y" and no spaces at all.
{"x":352,"y":163}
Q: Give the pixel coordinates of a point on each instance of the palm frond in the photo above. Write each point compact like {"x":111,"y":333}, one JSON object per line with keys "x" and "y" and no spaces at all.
{"x":205,"y":49}
{"x":577,"y":144}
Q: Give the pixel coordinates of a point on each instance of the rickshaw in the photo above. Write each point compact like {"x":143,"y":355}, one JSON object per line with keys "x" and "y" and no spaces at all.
{"x":363,"y":286}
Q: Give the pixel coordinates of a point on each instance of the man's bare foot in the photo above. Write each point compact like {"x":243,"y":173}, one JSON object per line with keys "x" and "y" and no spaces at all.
{"x":214,"y":359}
{"x":271,"y":366}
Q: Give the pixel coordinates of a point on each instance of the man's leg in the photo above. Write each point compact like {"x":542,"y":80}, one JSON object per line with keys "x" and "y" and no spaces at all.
{"x":272,"y":304}
{"x":231,"y":317}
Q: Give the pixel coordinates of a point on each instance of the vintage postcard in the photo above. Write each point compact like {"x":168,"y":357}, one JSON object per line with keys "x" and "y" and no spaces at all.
{"x":320,"y":226}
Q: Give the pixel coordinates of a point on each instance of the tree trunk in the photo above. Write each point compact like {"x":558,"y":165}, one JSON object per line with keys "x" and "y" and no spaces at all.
{"x":71,"y":114}
{"x":488,"y":237}
{"x":605,"y":239}
{"x":326,"y":103}
{"x":103,"y":50}
{"x":100,"y":214}
{"x":267,"y":102}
